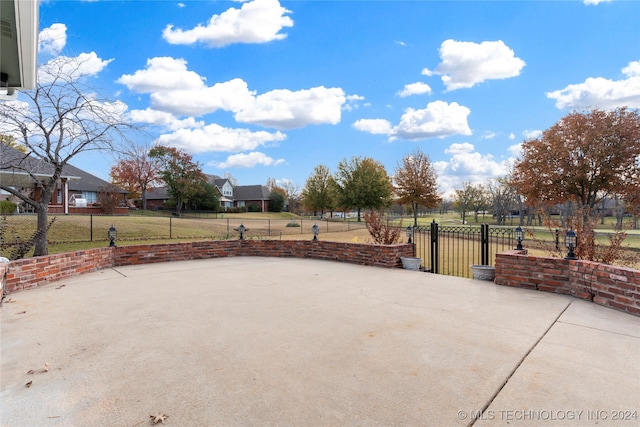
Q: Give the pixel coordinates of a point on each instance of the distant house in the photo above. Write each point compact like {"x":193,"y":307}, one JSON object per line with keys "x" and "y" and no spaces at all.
{"x":76,"y":191}
{"x":240,"y":196}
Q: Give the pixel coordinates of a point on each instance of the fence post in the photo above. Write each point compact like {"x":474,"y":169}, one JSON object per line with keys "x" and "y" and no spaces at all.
{"x":269,"y":225}
{"x":91,"y":228}
{"x":170,"y":230}
{"x":434,"y":247}
{"x":484,"y":244}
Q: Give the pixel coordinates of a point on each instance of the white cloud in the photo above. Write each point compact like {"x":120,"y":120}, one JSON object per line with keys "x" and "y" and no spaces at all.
{"x":53,"y":39}
{"x":488,"y":135}
{"x":233,"y":95}
{"x":595,"y":2}
{"x":437,"y":120}
{"x":374,"y":126}
{"x":214,"y":137}
{"x":532,"y":134}
{"x":512,"y":135}
{"x":249,"y":160}
{"x":162,"y":118}
{"x":73,"y":68}
{"x":515,"y":150}
{"x":258,"y":21}
{"x":353,"y":102}
{"x":417,"y":88}
{"x":174,"y":89}
{"x":284,"y":109}
{"x":163,"y":74}
{"x":598,"y":92}
{"x":465,"y":64}
{"x":466,"y":164}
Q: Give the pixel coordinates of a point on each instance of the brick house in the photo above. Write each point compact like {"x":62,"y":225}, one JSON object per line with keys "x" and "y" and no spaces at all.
{"x":230,"y":196}
{"x":76,"y":191}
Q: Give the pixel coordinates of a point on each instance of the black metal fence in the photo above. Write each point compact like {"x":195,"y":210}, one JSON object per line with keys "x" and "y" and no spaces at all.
{"x":90,"y":228}
{"x":451,"y":250}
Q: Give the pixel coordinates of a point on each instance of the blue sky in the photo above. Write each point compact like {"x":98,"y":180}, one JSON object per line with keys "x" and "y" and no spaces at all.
{"x":266,"y":89}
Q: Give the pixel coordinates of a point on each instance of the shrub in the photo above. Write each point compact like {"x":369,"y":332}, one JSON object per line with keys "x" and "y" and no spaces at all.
{"x":7,"y":207}
{"x":293,"y":224}
{"x":253,"y":208}
{"x":380,"y":230}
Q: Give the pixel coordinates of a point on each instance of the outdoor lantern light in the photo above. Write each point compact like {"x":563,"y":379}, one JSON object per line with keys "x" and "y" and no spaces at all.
{"x":571,"y":242}
{"x":409,"y":234}
{"x":315,"y":230}
{"x":242,"y":229}
{"x":518,"y":234}
{"x":112,"y":233}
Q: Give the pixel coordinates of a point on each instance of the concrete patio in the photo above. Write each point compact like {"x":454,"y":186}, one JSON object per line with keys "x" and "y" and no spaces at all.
{"x":272,"y":341}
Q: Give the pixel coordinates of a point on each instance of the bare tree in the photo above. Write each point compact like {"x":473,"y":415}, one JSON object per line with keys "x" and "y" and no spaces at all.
{"x":502,"y":198}
{"x":61,"y":118}
{"x":292,"y":194}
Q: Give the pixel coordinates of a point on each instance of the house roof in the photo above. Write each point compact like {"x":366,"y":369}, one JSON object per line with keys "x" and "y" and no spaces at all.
{"x":158,"y":193}
{"x":251,"y":192}
{"x":216,"y":180}
{"x":17,"y":169}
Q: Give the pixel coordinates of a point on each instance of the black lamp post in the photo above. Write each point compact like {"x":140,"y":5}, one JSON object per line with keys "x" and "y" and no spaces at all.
{"x":409,"y":234}
{"x":112,"y":233}
{"x":315,"y":230}
{"x":571,"y":242}
{"x":518,"y":234}
{"x":242,"y":229}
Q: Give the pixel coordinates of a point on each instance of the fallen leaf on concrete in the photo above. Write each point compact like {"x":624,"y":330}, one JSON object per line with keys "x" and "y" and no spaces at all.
{"x":9,"y":301}
{"x":160,"y":418}
{"x":27,"y":385}
{"x":21,"y":312}
{"x":39,"y":371}
{"x":61,"y":286}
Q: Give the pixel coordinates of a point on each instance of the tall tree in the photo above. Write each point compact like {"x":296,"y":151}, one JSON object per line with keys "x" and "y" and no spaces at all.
{"x":317,"y":193}
{"x":363,"y":183}
{"x":502,"y":198}
{"x":292,"y":194}
{"x":183,"y":176}
{"x":415,"y":183}
{"x":10,"y":141}
{"x":584,"y":157}
{"x":136,"y":172}
{"x":61,"y":118}
{"x":207,"y":199}
{"x":469,"y":198}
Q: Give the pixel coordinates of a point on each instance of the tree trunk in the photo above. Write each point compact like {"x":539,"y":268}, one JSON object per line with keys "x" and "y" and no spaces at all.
{"x":41,"y":246}
{"x":415,"y":214}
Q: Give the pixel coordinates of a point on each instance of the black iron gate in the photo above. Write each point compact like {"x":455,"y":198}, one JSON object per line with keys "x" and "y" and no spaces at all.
{"x":451,"y":250}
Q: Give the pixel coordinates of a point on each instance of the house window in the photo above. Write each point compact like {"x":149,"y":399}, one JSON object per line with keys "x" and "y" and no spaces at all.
{"x":227,"y":189}
{"x":59,"y":197}
{"x":90,"y":196}
{"x":241,"y":203}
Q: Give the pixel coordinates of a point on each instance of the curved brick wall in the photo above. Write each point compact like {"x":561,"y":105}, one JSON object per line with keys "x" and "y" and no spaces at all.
{"x":32,"y":272}
{"x":608,"y":285}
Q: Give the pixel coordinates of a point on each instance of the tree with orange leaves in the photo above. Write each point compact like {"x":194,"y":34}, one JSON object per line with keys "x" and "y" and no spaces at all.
{"x":582,"y":158}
